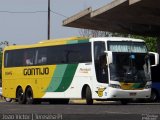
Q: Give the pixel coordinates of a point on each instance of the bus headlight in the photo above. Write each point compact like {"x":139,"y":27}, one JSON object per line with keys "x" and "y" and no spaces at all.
{"x":115,"y":86}
{"x":147,"y":86}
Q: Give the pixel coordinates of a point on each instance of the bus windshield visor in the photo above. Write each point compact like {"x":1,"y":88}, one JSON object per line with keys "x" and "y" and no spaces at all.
{"x":130,"y":67}
{"x":136,"y":47}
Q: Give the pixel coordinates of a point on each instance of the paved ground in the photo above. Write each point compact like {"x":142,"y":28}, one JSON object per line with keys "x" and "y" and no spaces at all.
{"x":110,"y":110}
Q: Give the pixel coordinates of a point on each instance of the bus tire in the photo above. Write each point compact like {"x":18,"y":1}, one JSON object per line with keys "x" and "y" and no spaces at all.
{"x":89,"y":99}
{"x":29,"y":96}
{"x":20,"y":96}
{"x":154,"y":96}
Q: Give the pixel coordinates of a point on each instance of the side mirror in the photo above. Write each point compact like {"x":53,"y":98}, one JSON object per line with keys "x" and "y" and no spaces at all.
{"x":154,"y":58}
{"x":109,"y":57}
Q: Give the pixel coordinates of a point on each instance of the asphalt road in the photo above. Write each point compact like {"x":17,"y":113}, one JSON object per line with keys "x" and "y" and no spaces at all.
{"x":80,"y":111}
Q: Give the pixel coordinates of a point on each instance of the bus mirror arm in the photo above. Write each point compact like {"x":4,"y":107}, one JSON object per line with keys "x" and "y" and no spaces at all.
{"x":154,"y":58}
{"x":109,"y":57}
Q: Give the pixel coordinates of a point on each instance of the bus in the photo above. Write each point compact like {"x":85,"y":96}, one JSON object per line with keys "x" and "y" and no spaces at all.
{"x":155,"y":92}
{"x":107,"y":68}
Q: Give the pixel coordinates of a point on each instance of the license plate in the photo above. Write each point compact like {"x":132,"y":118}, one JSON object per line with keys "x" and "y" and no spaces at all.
{"x":132,"y":94}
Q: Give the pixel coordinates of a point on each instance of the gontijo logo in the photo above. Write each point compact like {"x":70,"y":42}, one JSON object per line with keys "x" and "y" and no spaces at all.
{"x":36,"y":71}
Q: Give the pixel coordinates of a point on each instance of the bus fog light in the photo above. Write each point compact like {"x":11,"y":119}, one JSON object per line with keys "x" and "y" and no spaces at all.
{"x":115,"y":86}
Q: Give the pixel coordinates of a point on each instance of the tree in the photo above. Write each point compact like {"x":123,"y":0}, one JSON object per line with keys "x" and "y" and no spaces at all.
{"x":97,"y":33}
{"x":92,"y":33}
{"x":151,"y":42}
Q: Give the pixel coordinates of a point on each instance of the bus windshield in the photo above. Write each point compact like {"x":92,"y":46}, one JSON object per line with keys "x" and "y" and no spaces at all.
{"x":130,"y":61}
{"x":130,"y":67}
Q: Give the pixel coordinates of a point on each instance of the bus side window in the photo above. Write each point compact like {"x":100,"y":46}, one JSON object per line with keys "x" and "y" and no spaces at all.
{"x":29,"y":57}
{"x":100,"y":62}
{"x":41,"y":56}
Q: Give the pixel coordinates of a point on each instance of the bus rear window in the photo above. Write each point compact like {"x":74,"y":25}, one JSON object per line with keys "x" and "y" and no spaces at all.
{"x":13,"y":58}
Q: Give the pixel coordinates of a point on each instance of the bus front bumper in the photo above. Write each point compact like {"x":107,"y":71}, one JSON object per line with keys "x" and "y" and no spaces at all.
{"x":129,"y":94}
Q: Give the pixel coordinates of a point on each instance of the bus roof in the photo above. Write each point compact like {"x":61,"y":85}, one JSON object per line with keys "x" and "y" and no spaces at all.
{"x":116,"y":39}
{"x":63,"y":39}
{"x":70,"y":40}
{"x":44,"y":43}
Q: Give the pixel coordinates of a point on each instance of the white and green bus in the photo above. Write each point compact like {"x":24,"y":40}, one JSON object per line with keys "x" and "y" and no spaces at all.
{"x":108,"y":68}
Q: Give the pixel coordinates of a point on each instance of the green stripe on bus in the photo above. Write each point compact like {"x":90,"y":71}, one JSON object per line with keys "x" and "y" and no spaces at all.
{"x":57,"y":77}
{"x":83,"y":41}
{"x":138,"y":85}
{"x":67,"y":78}
{"x":78,"y":41}
{"x":134,"y":86}
{"x":141,"y":85}
{"x":72,"y":42}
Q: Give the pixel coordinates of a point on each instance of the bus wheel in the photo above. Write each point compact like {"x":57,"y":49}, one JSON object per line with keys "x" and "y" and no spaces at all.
{"x":89,"y":99}
{"x":124,"y":102}
{"x":154,"y":96}
{"x":20,"y":96}
{"x":29,"y":96}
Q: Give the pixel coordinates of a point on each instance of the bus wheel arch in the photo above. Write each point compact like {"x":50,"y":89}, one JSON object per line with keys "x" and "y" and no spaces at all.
{"x":87,"y":94}
{"x":20,"y":96}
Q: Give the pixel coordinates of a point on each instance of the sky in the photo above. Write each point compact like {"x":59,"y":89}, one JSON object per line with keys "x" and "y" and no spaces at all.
{"x":25,"y":21}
